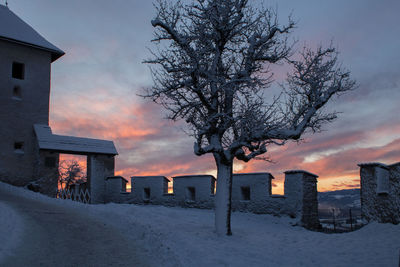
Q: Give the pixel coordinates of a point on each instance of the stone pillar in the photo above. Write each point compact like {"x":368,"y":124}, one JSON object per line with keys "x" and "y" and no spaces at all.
{"x":99,"y":167}
{"x":380,"y":192}
{"x":302,"y":197}
{"x":46,"y":173}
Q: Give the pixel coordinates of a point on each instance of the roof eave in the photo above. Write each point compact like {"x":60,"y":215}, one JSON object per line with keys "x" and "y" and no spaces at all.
{"x":77,"y":151}
{"x":55,"y":54}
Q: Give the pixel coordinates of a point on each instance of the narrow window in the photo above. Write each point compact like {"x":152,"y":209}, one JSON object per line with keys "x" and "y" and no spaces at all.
{"x":18,"y":70}
{"x":19,"y":147}
{"x":50,"y":162}
{"x":190,"y":194}
{"x":245,"y":192}
{"x":382,"y":181}
{"x":17,"y":92}
{"x":146,"y":193}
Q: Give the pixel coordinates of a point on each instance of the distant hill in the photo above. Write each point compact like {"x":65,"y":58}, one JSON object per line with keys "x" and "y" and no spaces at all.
{"x":341,"y":201}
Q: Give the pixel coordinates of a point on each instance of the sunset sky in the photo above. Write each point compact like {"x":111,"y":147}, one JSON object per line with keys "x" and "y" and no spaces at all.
{"x":95,"y":86}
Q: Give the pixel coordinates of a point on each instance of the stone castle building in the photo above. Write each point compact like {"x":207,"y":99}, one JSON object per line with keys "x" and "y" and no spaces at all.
{"x":29,"y":151}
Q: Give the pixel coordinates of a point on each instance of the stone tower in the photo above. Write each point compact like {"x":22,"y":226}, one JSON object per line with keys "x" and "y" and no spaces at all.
{"x":25,"y":66}
{"x":302,"y":197}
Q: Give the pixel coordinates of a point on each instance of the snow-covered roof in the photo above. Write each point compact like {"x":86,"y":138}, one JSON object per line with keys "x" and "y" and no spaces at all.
{"x":194,"y":176}
{"x":254,"y":173}
{"x":14,"y":29}
{"x":49,"y":141}
{"x":150,"y":177}
{"x":117,"y":177}
{"x":393,"y":165}
{"x":373,"y":164}
{"x":301,"y":171}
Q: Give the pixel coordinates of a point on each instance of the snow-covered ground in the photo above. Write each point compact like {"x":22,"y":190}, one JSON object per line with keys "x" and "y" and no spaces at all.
{"x":185,"y":237}
{"x":11,"y":229}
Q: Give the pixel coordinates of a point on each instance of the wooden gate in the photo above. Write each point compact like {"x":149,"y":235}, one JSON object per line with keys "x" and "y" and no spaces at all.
{"x":75,"y":194}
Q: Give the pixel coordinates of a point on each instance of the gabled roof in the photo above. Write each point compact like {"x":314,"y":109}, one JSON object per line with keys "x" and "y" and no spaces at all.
{"x":13,"y":29}
{"x":49,"y":141}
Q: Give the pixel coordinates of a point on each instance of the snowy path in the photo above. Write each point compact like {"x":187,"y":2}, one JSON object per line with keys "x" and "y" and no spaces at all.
{"x":120,"y":233}
{"x":54,"y":235}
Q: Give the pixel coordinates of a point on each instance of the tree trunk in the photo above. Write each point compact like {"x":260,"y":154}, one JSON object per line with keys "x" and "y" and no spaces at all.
{"x":223,"y":197}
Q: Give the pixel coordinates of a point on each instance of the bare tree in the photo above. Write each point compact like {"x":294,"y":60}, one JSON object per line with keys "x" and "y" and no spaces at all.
{"x":69,"y":173}
{"x":211,"y":69}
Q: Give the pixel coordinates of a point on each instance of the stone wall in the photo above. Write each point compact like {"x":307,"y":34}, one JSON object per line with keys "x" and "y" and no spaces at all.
{"x":380,"y":192}
{"x":46,"y":171}
{"x":250,"y":193}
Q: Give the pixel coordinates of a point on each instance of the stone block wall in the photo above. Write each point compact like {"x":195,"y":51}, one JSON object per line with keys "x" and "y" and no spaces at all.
{"x":380,"y":192}
{"x":250,"y":193}
{"x":149,"y":190}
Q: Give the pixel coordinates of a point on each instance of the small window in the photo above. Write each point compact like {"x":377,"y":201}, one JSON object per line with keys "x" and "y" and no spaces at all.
{"x":50,"y":162}
{"x":18,"y":70}
{"x":17,"y":92}
{"x":146,"y":193}
{"x":382,"y":181}
{"x":245,"y":192}
{"x":190,"y":194}
{"x":123,"y":185}
{"x":19,"y":147}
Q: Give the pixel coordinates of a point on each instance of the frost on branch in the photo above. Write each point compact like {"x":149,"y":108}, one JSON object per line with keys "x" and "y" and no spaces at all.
{"x":213,"y":72}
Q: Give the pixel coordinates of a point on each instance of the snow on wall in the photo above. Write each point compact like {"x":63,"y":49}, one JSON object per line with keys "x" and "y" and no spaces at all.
{"x":251,"y":192}
{"x":148,"y":189}
{"x":196,"y":191}
{"x":380,"y":192}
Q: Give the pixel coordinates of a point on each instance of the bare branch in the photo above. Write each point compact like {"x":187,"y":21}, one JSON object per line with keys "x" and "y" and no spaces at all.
{"x":213,"y":72}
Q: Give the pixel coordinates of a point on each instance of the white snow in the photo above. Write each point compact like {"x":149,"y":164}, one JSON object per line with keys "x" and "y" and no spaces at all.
{"x":185,"y":237}
{"x":48,"y":140}
{"x":14,"y":29}
{"x":11,"y":230}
